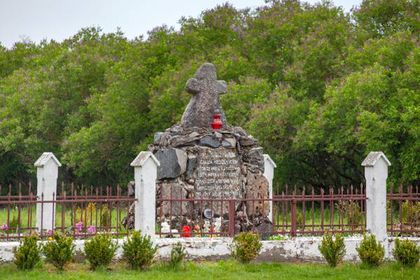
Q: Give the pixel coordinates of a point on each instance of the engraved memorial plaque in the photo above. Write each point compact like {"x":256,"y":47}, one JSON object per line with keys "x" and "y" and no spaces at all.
{"x":218,"y":174}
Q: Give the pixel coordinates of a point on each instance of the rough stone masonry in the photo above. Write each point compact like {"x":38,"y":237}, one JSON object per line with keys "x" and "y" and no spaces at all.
{"x":199,"y":162}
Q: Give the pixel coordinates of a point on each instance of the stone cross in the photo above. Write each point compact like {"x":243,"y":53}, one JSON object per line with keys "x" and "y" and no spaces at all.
{"x":205,"y":89}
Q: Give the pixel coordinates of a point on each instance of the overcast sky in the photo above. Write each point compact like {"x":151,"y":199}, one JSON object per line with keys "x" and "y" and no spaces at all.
{"x":60,"y":19}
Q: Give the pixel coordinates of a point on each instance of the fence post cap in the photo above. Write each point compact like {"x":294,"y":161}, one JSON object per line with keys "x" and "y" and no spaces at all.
{"x":270,"y":160}
{"x":44,"y":158}
{"x":142,"y":157}
{"x":373,"y":157}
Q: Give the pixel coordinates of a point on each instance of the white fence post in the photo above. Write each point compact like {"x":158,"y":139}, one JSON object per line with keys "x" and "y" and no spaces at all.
{"x":269,"y":166}
{"x":376,"y":172}
{"x":145,"y":173}
{"x":46,"y":190}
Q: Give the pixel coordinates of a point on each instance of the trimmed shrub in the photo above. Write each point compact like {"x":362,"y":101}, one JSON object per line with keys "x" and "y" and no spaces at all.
{"x":332,"y":250}
{"x":246,"y":246}
{"x":59,"y":251}
{"x":406,"y":252}
{"x":177,"y":255}
{"x":371,"y":253}
{"x":28,"y":254}
{"x":139,"y":251}
{"x":100,"y":250}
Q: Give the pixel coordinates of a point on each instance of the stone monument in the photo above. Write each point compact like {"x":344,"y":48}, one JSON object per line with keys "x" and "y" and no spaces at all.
{"x":199,"y":162}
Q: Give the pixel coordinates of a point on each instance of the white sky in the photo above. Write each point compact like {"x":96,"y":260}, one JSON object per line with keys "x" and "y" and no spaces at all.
{"x":60,"y":19}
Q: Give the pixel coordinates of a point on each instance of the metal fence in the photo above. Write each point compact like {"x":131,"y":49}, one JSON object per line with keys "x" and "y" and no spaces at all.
{"x":337,"y":210}
{"x":293,"y":213}
{"x":304,"y":212}
{"x":83,"y":211}
{"x":77,"y":210}
{"x":403,"y":211}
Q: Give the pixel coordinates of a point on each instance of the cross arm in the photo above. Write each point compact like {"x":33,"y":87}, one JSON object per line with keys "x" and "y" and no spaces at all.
{"x":221,"y":87}
{"x":193,"y":86}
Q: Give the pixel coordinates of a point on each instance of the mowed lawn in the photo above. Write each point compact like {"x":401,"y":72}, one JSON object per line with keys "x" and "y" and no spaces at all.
{"x":219,"y":270}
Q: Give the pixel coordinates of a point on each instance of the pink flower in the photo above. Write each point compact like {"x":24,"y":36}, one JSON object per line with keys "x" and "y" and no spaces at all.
{"x":49,"y":232}
{"x":91,"y":229}
{"x":4,"y":227}
{"x":78,"y":227}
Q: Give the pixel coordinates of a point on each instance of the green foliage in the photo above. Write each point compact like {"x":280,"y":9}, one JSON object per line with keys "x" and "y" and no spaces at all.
{"x":105,"y":218}
{"x":371,"y":253}
{"x":277,"y":237}
{"x":319,"y":88}
{"x":100,"y":250}
{"x":411,"y":213}
{"x":382,"y":17}
{"x":59,"y":251}
{"x":332,"y":250}
{"x":351,"y":210}
{"x":246,"y":246}
{"x":178,"y":255}
{"x":406,"y":252}
{"x":13,"y":225}
{"x":139,"y":251}
{"x":28,"y":254}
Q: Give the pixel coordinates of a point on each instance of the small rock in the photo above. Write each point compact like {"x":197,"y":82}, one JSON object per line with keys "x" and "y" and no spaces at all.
{"x":194,"y":134}
{"x":209,"y":141}
{"x":218,"y":135}
{"x":239,"y":130}
{"x":173,"y":162}
{"x":247,"y":141}
{"x":176,"y":129}
{"x":265,"y":229}
{"x":182,"y":141}
{"x":229,"y":143}
{"x":191,"y":166}
{"x":157,"y":137}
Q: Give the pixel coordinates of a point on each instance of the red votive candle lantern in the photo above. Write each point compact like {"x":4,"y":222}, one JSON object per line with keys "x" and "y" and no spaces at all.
{"x":217,"y":121}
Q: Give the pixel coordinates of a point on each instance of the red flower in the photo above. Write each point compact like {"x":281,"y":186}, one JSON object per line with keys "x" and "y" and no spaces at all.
{"x":186,"y":231}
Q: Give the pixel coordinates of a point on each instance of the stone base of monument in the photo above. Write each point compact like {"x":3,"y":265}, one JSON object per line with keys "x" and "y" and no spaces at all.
{"x":201,"y":170}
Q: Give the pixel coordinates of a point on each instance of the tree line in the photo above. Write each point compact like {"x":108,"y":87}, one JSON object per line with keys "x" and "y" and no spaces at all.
{"x":318,"y":87}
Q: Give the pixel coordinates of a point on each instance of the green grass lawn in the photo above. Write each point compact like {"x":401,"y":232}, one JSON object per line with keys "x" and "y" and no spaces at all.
{"x":219,"y":270}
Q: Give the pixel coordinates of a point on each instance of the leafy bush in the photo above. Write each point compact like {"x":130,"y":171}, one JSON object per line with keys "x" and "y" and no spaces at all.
{"x":332,"y":250}
{"x":105,"y":216}
{"x":246,"y":246}
{"x":100,"y":250}
{"x":351,"y":210}
{"x":79,"y":215}
{"x":371,"y":252}
{"x":177,"y":255}
{"x":300,"y":219}
{"x":28,"y":254}
{"x":411,"y":213}
{"x":59,"y":251}
{"x":139,"y":250}
{"x":12,"y":227}
{"x":406,"y":252}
